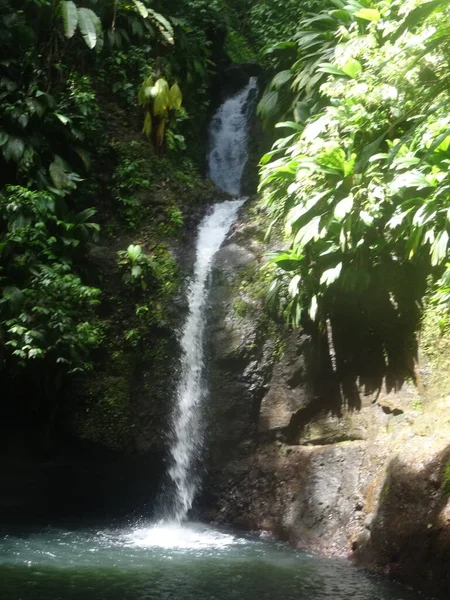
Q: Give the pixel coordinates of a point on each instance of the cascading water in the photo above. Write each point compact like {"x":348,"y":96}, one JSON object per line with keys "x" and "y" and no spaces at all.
{"x":228,"y":135}
{"x":228,"y":154}
{"x":191,"y":390}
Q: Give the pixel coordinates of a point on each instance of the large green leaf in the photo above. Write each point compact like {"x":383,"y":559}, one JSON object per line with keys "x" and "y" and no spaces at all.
{"x":352,"y":67}
{"x":268,"y":104}
{"x":330,"y":275}
{"x":368,"y":14}
{"x":143,"y":10}
{"x":148,"y":122}
{"x":175,"y":97}
{"x":13,"y":149}
{"x":161,"y":102}
{"x":87,"y":21}
{"x":439,"y":248}
{"x":332,"y":70}
{"x":164,"y":25}
{"x":62,"y":176}
{"x":281,"y":78}
{"x":70,"y":17}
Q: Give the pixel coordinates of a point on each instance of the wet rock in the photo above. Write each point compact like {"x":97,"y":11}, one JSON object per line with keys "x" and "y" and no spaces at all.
{"x":369,"y":479}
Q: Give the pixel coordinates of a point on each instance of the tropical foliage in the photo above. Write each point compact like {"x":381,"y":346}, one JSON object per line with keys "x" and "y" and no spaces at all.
{"x":360,"y":176}
{"x":62,"y":64}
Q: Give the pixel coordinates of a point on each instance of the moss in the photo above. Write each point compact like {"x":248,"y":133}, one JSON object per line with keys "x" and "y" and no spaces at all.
{"x":238,"y":48}
{"x":242,"y":307}
{"x":445,"y":486}
{"x":279,"y":347}
{"x":108,"y":421}
{"x":417,"y":404}
{"x":385,"y":492}
{"x":435,"y":349}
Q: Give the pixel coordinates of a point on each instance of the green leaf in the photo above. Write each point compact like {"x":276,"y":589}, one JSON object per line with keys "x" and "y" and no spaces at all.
{"x":165,"y":26}
{"x":343,"y":207}
{"x":313,"y":308}
{"x":331,"y":70}
{"x":13,"y":296}
{"x":409,"y":179}
{"x":308,"y":232}
{"x":341,"y":15}
{"x":87,"y":21}
{"x":160,"y":133}
{"x":134,"y":252}
{"x":84,"y":155}
{"x":293,"y":286}
{"x":287,"y":261}
{"x":143,"y":11}
{"x":136,"y":271}
{"x":368,"y":14}
{"x":70,"y":17}
{"x":439,"y":248}
{"x":85,"y":215}
{"x":352,"y":67}
{"x":280,"y":79}
{"x":13,"y":149}
{"x":148,"y":122}
{"x":268,"y":104}
{"x":64,"y":120}
{"x":175,"y":97}
{"x":290,"y":125}
{"x":330,"y":275}
{"x":161,"y":102}
{"x":61,"y":174}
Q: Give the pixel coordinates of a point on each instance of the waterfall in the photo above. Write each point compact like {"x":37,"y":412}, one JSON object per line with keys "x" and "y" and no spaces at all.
{"x":228,"y":154}
{"x":228,"y":139}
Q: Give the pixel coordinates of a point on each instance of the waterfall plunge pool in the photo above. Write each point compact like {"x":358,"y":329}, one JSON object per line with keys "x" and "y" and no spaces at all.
{"x":187,"y":562}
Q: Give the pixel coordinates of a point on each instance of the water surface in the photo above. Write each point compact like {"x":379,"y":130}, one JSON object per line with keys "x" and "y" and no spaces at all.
{"x":192,"y":562}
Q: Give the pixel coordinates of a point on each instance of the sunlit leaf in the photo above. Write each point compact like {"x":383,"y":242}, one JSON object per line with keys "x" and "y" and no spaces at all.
{"x":70,"y":17}
{"x":148,"y":122}
{"x":293,"y":286}
{"x":330,"y":275}
{"x":352,"y":67}
{"x":165,"y":26}
{"x":343,"y":207}
{"x":439,"y":248}
{"x":175,"y":97}
{"x":87,"y":21}
{"x":313,"y":308}
{"x":368,"y":14}
{"x":143,"y":11}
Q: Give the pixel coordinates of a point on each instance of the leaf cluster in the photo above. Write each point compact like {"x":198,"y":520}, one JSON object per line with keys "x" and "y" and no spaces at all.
{"x":360,"y":175}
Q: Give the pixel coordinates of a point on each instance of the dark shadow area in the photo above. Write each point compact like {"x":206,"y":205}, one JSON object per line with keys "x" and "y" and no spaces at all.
{"x":74,"y":488}
{"x":369,"y":342}
{"x":410,"y":534}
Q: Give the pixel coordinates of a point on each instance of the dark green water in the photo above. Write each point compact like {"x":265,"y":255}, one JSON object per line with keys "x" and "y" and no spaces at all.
{"x":172,"y":563}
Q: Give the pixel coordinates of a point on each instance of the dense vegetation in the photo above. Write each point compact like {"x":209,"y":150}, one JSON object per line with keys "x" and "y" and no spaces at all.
{"x":102,"y":117}
{"x":78,"y":81}
{"x":359,"y":178}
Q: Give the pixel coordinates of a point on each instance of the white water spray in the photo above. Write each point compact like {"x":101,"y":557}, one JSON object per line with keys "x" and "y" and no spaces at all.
{"x":228,"y":154}
{"x":228,"y":136}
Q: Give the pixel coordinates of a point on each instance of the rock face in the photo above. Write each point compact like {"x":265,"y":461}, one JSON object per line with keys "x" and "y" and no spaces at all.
{"x":287,"y":455}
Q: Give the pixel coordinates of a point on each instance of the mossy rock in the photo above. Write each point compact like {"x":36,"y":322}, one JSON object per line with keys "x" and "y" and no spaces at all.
{"x":446,"y":480}
{"x":106,"y":418}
